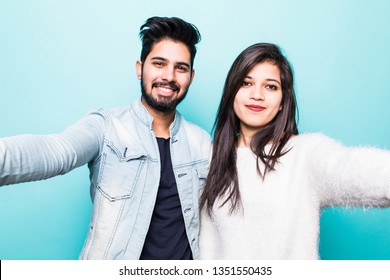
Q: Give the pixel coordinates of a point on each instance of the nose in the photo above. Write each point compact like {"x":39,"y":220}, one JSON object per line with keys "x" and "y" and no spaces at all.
{"x":168,"y":74}
{"x":257,"y":93}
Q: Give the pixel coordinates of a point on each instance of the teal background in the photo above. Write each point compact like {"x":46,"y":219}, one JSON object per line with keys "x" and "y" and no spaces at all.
{"x":59,"y":59}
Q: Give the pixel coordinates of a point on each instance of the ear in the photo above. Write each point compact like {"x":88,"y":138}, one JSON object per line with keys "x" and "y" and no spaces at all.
{"x":138,"y":67}
{"x":192,"y":75}
{"x":280,"y":108}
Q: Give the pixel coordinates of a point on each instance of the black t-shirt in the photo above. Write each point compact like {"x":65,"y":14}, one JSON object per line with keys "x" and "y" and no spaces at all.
{"x":166,"y":238}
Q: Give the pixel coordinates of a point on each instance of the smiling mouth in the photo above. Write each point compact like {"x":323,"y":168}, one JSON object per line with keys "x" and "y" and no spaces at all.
{"x":166,"y":88}
{"x":255,"y":108}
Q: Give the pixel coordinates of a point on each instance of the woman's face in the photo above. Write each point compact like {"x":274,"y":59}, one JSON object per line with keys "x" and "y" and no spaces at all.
{"x":259,"y":99}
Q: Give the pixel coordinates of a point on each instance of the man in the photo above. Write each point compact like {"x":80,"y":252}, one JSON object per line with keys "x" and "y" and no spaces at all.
{"x":147,"y":164}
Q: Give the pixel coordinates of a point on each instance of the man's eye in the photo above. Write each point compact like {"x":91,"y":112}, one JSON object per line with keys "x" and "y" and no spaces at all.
{"x":181,"y":68}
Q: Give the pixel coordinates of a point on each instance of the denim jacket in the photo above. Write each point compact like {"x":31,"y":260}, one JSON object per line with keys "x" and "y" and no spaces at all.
{"x":123,"y":158}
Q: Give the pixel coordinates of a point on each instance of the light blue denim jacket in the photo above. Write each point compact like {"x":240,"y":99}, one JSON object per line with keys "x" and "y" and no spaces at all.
{"x":123,"y":157}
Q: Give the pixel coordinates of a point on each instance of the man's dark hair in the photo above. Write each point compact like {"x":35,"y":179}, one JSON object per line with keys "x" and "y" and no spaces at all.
{"x":156,"y":29}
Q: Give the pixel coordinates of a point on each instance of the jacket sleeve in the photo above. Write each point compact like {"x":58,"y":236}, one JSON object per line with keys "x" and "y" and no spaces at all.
{"x":349,"y":176}
{"x":26,"y":158}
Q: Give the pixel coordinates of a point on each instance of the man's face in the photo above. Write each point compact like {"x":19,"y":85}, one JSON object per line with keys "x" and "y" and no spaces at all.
{"x":165,"y":75}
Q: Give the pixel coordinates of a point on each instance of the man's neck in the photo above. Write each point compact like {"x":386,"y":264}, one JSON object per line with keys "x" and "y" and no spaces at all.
{"x":161,"y":124}
{"x":161,"y":121}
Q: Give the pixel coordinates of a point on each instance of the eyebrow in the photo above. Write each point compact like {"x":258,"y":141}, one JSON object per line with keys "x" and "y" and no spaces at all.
{"x":273,"y":80}
{"x":270,"y":80}
{"x":166,"y":60}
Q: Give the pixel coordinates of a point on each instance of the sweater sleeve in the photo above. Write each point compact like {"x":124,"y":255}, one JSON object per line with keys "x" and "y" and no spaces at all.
{"x":25,"y":158}
{"x":348,"y":176}
{"x":208,"y":237}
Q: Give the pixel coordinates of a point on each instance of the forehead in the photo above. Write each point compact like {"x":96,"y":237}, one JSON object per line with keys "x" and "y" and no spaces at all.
{"x":265,"y":69}
{"x":170,"y":50}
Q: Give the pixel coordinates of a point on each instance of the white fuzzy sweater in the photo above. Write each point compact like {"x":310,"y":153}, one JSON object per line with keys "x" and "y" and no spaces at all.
{"x":281,"y":215}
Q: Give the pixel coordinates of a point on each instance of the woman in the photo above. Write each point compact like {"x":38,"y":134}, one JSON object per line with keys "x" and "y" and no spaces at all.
{"x":267,"y":184}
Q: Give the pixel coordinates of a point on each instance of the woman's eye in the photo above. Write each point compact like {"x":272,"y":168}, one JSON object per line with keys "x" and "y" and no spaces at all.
{"x":245,"y":83}
{"x":272,"y":87}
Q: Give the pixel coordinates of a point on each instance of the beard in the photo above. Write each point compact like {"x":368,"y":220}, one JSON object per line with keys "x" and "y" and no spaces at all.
{"x":163,"y":104}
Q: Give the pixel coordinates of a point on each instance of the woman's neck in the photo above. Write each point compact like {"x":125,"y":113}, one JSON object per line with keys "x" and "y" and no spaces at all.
{"x":244,"y":140}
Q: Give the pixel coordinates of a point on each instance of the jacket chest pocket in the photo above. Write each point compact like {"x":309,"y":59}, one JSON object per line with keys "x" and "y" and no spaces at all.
{"x":191,"y":178}
{"x":201,"y":175}
{"x":120,"y":171}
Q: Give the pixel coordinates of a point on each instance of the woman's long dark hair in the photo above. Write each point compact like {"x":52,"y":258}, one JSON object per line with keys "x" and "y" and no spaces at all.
{"x":222,"y":179}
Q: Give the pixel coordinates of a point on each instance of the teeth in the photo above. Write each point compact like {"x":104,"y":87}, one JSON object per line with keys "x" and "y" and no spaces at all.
{"x":166,"y":89}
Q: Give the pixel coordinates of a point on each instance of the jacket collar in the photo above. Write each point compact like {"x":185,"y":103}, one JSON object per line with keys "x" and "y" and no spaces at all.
{"x":146,"y":118}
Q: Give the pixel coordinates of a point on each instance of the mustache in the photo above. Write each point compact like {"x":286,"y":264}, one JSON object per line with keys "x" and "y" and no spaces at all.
{"x":172,"y":85}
